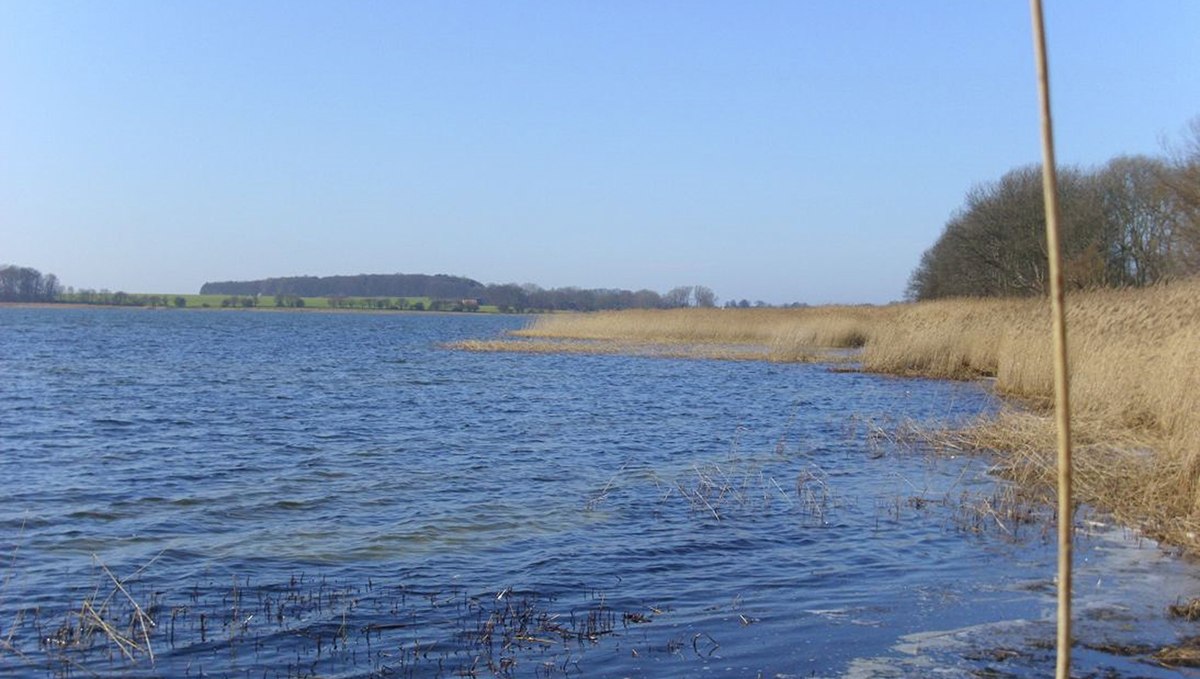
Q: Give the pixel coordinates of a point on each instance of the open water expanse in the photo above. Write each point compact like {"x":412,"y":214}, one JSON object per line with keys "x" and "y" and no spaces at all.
{"x":320,"y":494}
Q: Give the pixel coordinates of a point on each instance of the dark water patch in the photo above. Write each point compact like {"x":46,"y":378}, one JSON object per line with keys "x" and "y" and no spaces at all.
{"x":94,"y":515}
{"x":297,"y":505}
{"x":112,"y":422}
{"x":187,"y":501}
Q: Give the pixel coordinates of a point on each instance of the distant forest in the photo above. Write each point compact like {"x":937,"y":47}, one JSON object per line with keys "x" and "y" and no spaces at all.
{"x":507,"y":297}
{"x":439,"y":286}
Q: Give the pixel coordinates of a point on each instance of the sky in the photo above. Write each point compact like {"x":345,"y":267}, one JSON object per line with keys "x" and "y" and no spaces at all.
{"x":778,"y":151}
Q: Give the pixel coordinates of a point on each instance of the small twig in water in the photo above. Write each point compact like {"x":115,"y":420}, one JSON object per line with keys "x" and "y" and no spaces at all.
{"x":142,"y":618}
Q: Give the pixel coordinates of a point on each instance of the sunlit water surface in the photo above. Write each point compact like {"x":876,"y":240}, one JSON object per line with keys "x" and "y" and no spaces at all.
{"x":313,"y":494}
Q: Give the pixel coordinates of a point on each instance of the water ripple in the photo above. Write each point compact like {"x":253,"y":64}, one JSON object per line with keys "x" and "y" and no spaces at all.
{"x":614,"y":516}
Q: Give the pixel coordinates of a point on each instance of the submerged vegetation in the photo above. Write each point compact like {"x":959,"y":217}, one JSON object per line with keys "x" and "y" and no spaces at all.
{"x":308,"y":626}
{"x":1135,"y":372}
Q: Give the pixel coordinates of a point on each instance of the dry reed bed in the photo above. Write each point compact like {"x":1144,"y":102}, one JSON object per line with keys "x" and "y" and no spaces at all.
{"x":831,"y":326}
{"x":1135,"y":389}
{"x":1135,"y":377}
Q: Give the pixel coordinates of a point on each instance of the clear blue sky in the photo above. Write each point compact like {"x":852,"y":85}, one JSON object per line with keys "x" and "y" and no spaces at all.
{"x":783,"y":151}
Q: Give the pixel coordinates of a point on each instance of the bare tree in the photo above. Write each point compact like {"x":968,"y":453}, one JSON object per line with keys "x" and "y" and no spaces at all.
{"x":677,"y":297}
{"x":704,"y":296}
{"x":1142,"y":221}
{"x":1181,"y":176}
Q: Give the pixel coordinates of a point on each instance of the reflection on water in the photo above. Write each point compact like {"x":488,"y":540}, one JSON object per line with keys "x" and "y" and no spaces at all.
{"x":335,"y":495}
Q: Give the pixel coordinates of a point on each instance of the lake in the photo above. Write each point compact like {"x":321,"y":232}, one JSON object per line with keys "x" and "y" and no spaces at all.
{"x":338,"y":495}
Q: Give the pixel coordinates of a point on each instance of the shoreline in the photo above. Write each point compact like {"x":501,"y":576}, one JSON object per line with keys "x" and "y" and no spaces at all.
{"x":1135,"y":374}
{"x":270,"y":309}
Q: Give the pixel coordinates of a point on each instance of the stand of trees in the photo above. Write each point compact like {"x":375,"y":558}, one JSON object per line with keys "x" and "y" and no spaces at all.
{"x":23,"y":284}
{"x":120,"y":298}
{"x":439,"y":286}
{"x":529,"y":297}
{"x":1133,"y":222}
{"x":508,"y":297}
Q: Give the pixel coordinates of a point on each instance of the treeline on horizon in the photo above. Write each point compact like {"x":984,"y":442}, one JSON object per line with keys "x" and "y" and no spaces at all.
{"x":24,"y":284}
{"x":439,"y":286}
{"x":1134,"y":221}
{"x":417,"y":292}
{"x":506,"y":297}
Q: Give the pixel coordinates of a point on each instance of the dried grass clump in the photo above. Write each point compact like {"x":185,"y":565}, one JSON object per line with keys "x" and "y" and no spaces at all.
{"x":1135,"y":390}
{"x":1185,"y":654}
{"x":783,"y":335}
{"x":1188,"y":610}
{"x":692,"y":326}
{"x":952,"y":339}
{"x":804,"y":335}
{"x":1118,"y":471}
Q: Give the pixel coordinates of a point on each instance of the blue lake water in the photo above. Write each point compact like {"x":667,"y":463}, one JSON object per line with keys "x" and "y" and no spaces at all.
{"x":318,"y":494}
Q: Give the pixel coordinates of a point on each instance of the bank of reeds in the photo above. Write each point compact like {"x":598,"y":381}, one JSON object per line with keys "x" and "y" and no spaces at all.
{"x":811,"y":327}
{"x":1135,"y":389}
{"x":1135,"y":378}
{"x":787,"y":335}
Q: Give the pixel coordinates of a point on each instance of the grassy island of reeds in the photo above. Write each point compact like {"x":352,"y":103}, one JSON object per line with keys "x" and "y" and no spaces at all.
{"x":1135,"y":377}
